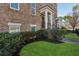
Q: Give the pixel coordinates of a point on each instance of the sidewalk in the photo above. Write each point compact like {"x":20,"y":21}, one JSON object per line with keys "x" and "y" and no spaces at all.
{"x":70,"y":41}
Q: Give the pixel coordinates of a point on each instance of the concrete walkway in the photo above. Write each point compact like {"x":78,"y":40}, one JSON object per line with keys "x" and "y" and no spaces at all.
{"x":70,"y":41}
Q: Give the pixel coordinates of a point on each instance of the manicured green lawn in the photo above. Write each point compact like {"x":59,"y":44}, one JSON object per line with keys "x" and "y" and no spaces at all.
{"x":72,"y":36}
{"x":43,"y":48}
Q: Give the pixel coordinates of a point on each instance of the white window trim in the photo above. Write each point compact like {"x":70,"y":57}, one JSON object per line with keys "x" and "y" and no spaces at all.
{"x":13,"y":24}
{"x":15,"y":8}
{"x":32,"y":25}
{"x":33,"y":8}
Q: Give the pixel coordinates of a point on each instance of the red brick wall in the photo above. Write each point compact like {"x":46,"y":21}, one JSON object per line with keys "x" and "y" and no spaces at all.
{"x":23,"y":16}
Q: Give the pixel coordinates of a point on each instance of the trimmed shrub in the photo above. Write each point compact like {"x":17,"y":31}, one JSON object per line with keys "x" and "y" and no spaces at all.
{"x":8,"y":43}
{"x":42,"y":34}
{"x":57,"y":35}
{"x":77,"y":31}
{"x":63,"y":28}
{"x":28,"y":36}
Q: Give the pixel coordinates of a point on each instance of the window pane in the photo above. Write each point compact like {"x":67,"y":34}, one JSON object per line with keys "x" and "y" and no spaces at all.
{"x":33,"y":11}
{"x":33,"y":5}
{"x":33,"y":8}
{"x":15,"y":5}
{"x":33,"y":29}
{"x":14,"y":28}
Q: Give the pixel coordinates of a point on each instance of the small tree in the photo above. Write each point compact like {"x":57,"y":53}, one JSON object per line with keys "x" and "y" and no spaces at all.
{"x":72,"y":19}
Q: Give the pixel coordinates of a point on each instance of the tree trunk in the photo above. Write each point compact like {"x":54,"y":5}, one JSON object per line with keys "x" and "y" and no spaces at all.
{"x":73,"y":29}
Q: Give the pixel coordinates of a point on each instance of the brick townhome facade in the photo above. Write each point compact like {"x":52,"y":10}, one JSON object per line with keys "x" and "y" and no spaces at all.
{"x":24,"y":18}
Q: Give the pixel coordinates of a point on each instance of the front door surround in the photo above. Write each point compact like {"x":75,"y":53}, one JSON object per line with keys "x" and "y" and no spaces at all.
{"x":47,"y":18}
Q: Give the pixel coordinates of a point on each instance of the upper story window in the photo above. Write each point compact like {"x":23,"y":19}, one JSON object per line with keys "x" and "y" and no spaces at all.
{"x":33,"y":8}
{"x":15,"y":6}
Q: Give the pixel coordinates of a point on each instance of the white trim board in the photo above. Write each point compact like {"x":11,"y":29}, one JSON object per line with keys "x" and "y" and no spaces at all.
{"x":32,"y":25}
{"x":14,"y":24}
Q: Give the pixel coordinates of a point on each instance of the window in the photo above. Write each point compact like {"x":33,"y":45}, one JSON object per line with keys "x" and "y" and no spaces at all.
{"x":14,"y":27}
{"x":15,"y":6}
{"x":33,"y":28}
{"x":33,"y":8}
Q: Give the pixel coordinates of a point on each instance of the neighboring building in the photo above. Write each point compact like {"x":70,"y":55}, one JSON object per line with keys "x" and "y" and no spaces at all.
{"x":21,"y":17}
{"x":60,"y":22}
{"x":67,"y":25}
{"x":63,"y":23}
